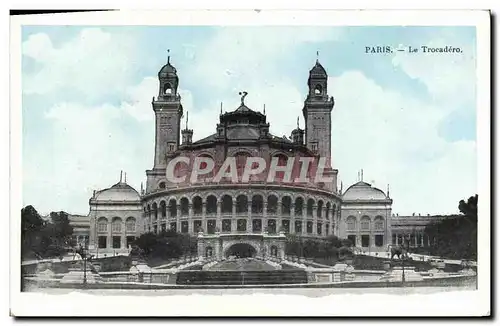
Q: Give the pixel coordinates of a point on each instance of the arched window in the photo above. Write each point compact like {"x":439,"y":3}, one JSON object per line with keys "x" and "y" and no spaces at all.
{"x":327,"y":211}
{"x":310,"y":204}
{"x":241,"y":204}
{"x":211,"y":204}
{"x":184,"y":206}
{"x":286,"y":205}
{"x":378,"y":223}
{"x":351,"y":223}
{"x":257,"y":204}
{"x":148,"y":213}
{"x":102,"y":224}
{"x":282,"y":161}
{"x":130,"y":224}
{"x":320,"y":209}
{"x":197,"y":205}
{"x":163,"y":209}
{"x":167,"y":89}
{"x":172,"y":207}
{"x":365,"y":223}
{"x":318,"y":90}
{"x":227,"y":204}
{"x":209,"y":252}
{"x":155,"y":211}
{"x":116,"y":225}
{"x":272,"y":204}
{"x":241,"y":160}
{"x":203,"y":165}
{"x":299,"y":206}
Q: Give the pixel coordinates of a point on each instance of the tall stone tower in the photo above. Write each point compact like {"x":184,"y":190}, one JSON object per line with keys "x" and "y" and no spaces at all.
{"x":317,"y":113}
{"x":168,"y":112}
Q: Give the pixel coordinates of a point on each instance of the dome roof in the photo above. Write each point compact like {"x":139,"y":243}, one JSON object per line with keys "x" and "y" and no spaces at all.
{"x":167,"y":69}
{"x":363,"y":191}
{"x":318,"y":70}
{"x":120,"y":192}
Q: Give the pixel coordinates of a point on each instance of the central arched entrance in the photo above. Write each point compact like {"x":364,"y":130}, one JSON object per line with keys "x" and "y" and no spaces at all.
{"x":241,"y":250}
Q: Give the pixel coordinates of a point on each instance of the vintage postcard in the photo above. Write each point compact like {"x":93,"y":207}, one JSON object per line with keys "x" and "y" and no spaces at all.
{"x":250,"y":163}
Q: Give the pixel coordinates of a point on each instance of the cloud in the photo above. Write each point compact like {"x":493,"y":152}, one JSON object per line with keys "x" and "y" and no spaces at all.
{"x":93,"y":63}
{"x":395,"y":139}
{"x":236,"y":56}
{"x":84,"y":149}
{"x":446,"y":75}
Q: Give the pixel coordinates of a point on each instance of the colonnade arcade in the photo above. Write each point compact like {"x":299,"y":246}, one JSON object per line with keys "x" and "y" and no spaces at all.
{"x":115,"y":233}
{"x":415,"y":238}
{"x":244,"y":213}
{"x":368,"y":231}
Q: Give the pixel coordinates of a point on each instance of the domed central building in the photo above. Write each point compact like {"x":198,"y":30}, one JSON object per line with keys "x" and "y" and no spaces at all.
{"x":253,"y":214}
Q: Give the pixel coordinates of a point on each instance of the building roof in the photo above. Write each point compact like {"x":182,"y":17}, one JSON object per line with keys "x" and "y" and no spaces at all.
{"x":120,"y":192}
{"x":318,"y":70}
{"x":363,"y":191}
{"x":168,"y":69}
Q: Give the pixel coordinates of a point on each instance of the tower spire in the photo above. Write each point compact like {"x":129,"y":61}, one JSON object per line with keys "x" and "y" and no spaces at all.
{"x":264,"y":108}
{"x":297,"y":122}
{"x":187,"y":119}
{"x":221,"y":108}
{"x":317,"y":56}
{"x":168,"y":56}
{"x":125,"y":177}
{"x":361,"y":174}
{"x":388,"y":191}
{"x":121,"y":172}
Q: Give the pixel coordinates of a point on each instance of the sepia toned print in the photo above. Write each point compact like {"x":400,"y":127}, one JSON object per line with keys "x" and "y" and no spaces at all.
{"x":309,"y":160}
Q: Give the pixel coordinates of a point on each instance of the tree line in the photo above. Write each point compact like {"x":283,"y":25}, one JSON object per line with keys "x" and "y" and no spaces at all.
{"x":44,"y":238}
{"x":164,"y":246}
{"x":456,"y":237}
{"x":331,"y":248}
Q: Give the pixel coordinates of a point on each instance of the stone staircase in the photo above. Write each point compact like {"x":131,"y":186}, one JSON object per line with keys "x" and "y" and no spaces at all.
{"x":241,"y":277}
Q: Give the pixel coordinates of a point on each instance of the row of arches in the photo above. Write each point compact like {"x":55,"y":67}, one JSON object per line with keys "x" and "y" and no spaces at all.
{"x":365,"y":223}
{"x":241,"y":204}
{"x":116,"y":224}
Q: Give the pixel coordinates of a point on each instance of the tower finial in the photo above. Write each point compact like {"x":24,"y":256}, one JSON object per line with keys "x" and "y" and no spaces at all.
{"x":264,"y":108}
{"x":317,"y":56}
{"x":121,"y":172}
{"x":388,"y":191}
{"x":125,"y":177}
{"x":187,"y":119}
{"x":341,"y":186}
{"x":361,"y":174}
{"x":297,"y":122}
{"x":168,"y":56}
{"x":221,"y":108}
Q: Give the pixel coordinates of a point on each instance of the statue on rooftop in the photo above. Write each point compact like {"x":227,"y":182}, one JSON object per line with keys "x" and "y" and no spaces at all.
{"x":243,"y":94}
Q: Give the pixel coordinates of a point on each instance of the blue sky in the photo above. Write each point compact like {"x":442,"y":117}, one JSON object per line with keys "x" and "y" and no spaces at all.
{"x":407,"y":120}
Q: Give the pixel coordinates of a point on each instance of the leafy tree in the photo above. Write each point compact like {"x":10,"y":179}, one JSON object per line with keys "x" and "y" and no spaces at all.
{"x":456,"y":236}
{"x":31,"y":224}
{"x":39,"y":238}
{"x":166,"y":245}
{"x":62,"y":230}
